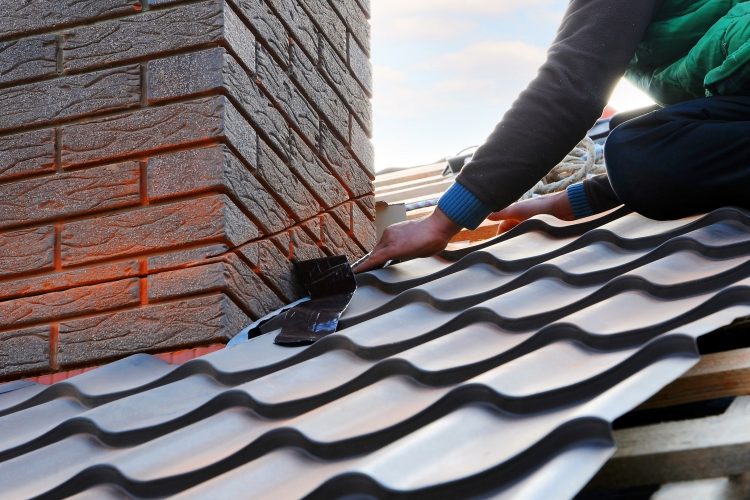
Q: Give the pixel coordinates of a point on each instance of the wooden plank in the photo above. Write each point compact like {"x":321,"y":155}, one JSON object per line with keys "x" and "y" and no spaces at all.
{"x":406,"y":195}
{"x":409,"y":174}
{"x":716,"y":375}
{"x":724,"y":488}
{"x":670,"y":452}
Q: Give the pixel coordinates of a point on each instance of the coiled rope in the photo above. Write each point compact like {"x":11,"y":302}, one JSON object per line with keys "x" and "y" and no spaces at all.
{"x":579,"y":164}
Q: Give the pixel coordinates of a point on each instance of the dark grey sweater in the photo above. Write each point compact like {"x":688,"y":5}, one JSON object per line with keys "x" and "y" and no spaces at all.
{"x":594,"y":44}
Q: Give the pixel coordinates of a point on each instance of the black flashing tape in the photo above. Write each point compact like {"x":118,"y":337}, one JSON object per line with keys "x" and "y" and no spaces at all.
{"x":331,"y":284}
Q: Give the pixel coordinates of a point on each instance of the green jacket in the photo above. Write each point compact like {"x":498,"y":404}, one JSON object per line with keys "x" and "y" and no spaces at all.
{"x":694,"y":48}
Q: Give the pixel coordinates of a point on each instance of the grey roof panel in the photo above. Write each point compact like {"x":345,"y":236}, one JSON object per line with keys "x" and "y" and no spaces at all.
{"x":495,"y":371}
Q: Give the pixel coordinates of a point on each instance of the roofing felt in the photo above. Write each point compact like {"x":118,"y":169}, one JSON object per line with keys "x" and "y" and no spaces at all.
{"x":497,"y":369}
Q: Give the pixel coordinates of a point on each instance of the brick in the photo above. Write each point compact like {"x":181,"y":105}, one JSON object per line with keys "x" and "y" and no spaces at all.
{"x":74,"y":301}
{"x":301,"y":246}
{"x":317,"y":90}
{"x":24,"y":351}
{"x":365,"y":6}
{"x":215,"y":169}
{"x":356,"y":20}
{"x":363,"y":228}
{"x":185,"y":258}
{"x":331,"y":26}
{"x":214,"y":70}
{"x":336,"y":241}
{"x":20,"y":17}
{"x":154,"y":128}
{"x":288,"y":97}
{"x":361,"y":146}
{"x":344,"y":165}
{"x":69,"y":193}
{"x":27,"y":153}
{"x":28,"y":58}
{"x":179,"y":324}
{"x":27,"y":250}
{"x":232,"y":276}
{"x":367,"y":205}
{"x":300,"y":26}
{"x":268,"y":27}
{"x":69,"y":279}
{"x":290,"y":191}
{"x":359,"y":62}
{"x":209,"y":219}
{"x":156,"y":32}
{"x":70,"y":96}
{"x":347,"y":87}
{"x":275,"y":267}
{"x":314,"y":174}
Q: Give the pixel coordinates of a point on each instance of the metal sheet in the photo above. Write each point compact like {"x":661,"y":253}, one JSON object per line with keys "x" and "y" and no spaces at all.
{"x":491,"y":372}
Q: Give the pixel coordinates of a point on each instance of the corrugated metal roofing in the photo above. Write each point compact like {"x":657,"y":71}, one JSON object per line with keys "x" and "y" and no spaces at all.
{"x":492,"y":371}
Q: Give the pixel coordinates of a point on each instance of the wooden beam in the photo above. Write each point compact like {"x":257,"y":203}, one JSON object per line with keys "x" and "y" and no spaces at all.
{"x":670,"y":452}
{"x":724,"y":488}
{"x":715,"y":376}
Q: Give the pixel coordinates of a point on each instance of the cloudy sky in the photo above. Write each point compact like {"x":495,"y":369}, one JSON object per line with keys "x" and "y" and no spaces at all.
{"x":446,"y":70}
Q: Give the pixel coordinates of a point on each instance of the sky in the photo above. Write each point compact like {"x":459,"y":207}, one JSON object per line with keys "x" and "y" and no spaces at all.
{"x":445,"y":71}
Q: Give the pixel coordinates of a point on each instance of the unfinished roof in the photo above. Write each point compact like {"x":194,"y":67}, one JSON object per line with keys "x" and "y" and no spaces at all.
{"x":497,"y":370}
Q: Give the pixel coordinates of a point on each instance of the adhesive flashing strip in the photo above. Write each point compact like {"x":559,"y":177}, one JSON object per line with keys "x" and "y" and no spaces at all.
{"x":331,"y":284}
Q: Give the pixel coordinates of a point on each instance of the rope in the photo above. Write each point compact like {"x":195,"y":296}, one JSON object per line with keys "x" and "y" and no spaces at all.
{"x":579,"y":164}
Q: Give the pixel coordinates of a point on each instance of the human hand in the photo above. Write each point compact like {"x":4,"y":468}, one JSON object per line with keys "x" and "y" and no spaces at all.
{"x":421,"y":238}
{"x":556,"y":204}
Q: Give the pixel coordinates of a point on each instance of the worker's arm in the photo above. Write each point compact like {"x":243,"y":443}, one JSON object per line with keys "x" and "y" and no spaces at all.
{"x":595,"y":42}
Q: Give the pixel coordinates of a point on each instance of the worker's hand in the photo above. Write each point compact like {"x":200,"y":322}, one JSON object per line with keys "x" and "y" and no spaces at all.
{"x":421,"y":238}
{"x":556,"y":204}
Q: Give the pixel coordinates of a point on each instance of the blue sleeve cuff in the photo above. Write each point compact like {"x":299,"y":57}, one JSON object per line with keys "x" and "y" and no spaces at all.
{"x":462,"y":207}
{"x":579,"y":201}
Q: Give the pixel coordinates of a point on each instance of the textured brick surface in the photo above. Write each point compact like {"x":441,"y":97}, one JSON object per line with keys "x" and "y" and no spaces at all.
{"x":68,"y":279}
{"x":270,"y":28}
{"x":163,"y":163}
{"x":184,"y":258}
{"x":344,"y":165}
{"x":211,"y":218}
{"x":24,"y":351}
{"x":27,"y":15}
{"x":351,"y":91}
{"x":331,"y":25}
{"x":288,"y":96}
{"x":157,"y":32}
{"x":362,"y":146}
{"x":175,"y":77}
{"x":275,"y":173}
{"x":70,"y":96}
{"x":321,"y":182}
{"x":28,"y":58}
{"x":317,"y":90}
{"x":27,"y":250}
{"x":215,"y":169}
{"x":79,"y":300}
{"x":69,"y":193}
{"x":181,"y":323}
{"x":154,"y":128}
{"x":300,"y":25}
{"x":231,"y":276}
{"x":356,"y":20}
{"x":27,"y":153}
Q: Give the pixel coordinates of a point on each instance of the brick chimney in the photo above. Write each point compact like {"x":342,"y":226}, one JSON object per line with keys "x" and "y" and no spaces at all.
{"x":162,"y":163}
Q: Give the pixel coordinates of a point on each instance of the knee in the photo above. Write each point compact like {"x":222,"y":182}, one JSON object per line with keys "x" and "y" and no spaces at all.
{"x":640,"y":175}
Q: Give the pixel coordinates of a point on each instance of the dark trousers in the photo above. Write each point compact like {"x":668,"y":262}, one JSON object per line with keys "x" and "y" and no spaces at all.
{"x":681,"y":160}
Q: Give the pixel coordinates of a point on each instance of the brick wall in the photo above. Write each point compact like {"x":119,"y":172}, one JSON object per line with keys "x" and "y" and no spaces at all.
{"x":162,"y":162}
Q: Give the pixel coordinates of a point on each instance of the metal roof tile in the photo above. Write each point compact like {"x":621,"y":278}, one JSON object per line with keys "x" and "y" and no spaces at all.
{"x":496,"y":370}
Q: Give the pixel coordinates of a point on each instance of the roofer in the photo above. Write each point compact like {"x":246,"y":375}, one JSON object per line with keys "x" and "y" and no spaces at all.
{"x":689,"y":157}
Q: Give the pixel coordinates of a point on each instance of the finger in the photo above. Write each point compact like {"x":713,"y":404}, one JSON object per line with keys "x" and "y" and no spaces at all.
{"x":507,"y":225}
{"x":377,"y":258}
